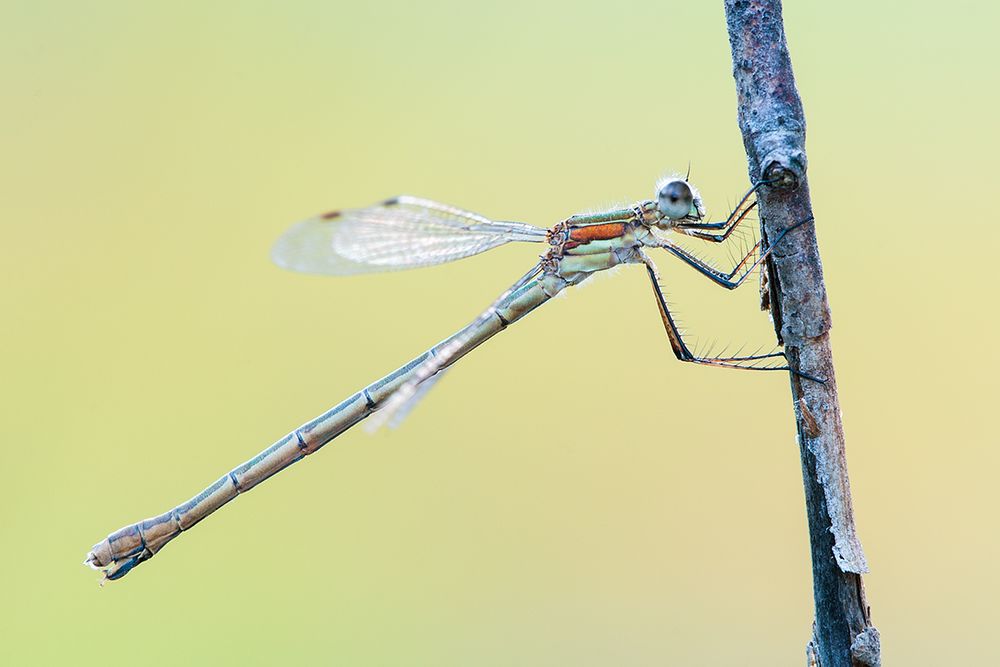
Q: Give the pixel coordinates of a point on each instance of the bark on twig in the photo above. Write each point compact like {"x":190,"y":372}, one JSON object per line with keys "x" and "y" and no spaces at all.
{"x":773,"y":126}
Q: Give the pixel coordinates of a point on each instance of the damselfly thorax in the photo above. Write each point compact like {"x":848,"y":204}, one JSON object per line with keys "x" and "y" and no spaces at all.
{"x":585,"y":244}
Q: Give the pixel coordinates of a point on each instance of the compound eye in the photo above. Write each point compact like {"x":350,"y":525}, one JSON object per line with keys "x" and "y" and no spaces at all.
{"x":675,"y":199}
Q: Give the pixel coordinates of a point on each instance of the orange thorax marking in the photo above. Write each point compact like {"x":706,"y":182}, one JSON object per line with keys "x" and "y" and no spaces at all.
{"x":611,"y":230}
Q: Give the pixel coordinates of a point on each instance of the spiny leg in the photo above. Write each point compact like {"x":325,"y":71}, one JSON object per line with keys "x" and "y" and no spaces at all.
{"x":747,"y":204}
{"x":740,"y":212}
{"x":717,"y":276}
{"x":683,"y":353}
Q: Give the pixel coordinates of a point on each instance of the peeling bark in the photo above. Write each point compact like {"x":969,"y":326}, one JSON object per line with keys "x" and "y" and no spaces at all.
{"x":773,"y":126}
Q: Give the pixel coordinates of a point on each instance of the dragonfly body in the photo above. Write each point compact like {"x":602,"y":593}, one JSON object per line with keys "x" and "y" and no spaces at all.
{"x":407,"y":232}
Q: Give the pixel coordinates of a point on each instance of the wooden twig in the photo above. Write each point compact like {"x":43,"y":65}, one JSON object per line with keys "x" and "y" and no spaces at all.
{"x":773,"y":126}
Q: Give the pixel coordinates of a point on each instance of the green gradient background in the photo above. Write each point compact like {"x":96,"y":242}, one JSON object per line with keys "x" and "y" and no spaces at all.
{"x":570,"y":495}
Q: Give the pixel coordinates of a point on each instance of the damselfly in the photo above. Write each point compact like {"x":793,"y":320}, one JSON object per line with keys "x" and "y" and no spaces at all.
{"x":408,"y":232}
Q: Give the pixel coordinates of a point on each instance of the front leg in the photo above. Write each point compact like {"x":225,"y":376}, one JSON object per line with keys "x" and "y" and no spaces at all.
{"x":743,"y":209}
{"x":740,"y":272}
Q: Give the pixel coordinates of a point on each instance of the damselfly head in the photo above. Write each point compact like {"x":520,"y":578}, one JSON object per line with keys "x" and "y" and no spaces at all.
{"x":676,"y":199}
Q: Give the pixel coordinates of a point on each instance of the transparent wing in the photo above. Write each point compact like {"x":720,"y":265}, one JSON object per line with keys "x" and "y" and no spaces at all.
{"x":404,"y":410}
{"x":401,"y":233}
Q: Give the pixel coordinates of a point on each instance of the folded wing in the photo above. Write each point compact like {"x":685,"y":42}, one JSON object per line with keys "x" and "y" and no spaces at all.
{"x":401,"y":233}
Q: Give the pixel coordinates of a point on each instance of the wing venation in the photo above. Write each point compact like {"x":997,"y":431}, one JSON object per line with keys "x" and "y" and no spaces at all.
{"x":401,"y":233}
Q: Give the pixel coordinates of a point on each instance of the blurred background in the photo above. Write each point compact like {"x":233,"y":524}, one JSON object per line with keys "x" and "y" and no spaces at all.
{"x":569,"y":494}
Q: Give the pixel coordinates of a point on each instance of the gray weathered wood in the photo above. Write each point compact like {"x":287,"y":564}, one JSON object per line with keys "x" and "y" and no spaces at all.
{"x":773,"y":126}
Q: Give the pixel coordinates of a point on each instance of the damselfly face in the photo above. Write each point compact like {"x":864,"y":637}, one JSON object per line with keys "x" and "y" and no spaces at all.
{"x":677,"y":200}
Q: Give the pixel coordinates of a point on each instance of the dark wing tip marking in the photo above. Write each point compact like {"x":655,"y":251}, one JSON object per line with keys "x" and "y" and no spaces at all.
{"x":330,"y":215}
{"x":391,"y":201}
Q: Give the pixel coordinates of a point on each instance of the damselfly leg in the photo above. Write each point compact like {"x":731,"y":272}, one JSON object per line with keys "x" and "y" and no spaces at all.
{"x":717,"y":276}
{"x":759,"y":362}
{"x":745,"y":206}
